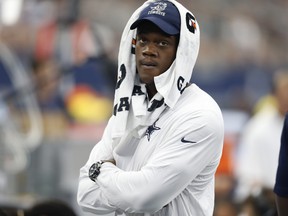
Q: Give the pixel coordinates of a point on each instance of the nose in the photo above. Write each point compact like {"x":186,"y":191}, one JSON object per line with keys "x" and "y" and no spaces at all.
{"x":149,"y":50}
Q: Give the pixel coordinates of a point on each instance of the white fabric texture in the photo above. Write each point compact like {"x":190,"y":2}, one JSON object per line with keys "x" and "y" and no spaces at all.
{"x":166,"y":83}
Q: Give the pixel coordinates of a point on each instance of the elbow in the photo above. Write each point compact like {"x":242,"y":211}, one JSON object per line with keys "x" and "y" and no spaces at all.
{"x":81,"y":202}
{"x":87,"y":193}
{"x":90,"y":200}
{"x":80,"y":197}
{"x":86,"y":190}
{"x":84,"y":205}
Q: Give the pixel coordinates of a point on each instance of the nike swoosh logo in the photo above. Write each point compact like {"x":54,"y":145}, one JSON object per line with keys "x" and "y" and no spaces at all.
{"x":186,"y":141}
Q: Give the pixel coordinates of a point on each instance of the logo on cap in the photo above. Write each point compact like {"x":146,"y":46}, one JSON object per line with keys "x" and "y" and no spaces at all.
{"x":163,"y":14}
{"x":158,"y":9}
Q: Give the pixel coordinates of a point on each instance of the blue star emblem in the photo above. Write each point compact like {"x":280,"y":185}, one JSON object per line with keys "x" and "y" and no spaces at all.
{"x":151,"y":129}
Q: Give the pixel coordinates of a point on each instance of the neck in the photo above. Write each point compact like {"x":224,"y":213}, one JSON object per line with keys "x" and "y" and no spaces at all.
{"x":151,"y":90}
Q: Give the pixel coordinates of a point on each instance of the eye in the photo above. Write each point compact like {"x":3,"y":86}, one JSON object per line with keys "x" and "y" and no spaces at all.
{"x":163,"y":43}
{"x":141,"y":41}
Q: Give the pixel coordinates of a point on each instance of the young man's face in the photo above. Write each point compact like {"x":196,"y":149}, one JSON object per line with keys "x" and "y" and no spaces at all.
{"x":155,"y":51}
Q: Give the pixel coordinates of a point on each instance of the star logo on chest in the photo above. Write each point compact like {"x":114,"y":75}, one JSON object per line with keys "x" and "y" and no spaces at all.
{"x":151,"y":130}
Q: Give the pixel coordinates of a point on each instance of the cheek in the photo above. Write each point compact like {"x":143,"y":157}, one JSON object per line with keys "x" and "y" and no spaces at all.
{"x":137,"y":54}
{"x":168,"y":60}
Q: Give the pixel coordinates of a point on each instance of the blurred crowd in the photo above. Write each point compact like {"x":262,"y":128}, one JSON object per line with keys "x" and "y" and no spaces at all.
{"x":58,"y":69}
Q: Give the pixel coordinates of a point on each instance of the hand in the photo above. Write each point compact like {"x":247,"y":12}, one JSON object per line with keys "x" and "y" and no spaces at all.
{"x":110,"y":161}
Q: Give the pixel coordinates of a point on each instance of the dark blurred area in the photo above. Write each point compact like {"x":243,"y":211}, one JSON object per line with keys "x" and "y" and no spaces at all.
{"x":58,"y":69}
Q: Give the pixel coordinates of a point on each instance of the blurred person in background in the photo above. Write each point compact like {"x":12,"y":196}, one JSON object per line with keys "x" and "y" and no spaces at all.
{"x":257,"y":155}
{"x":281,"y":184}
{"x":50,"y":208}
{"x":46,"y":76}
{"x":8,"y":211}
{"x":66,"y":38}
{"x":225,"y":207}
{"x":79,"y":47}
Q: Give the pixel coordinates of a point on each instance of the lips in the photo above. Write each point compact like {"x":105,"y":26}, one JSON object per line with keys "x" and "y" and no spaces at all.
{"x":147,"y":69}
{"x":147,"y":63}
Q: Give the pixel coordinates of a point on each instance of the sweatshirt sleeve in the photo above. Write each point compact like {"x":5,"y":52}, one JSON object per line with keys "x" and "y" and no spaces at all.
{"x":90,"y":196}
{"x":173,"y":165}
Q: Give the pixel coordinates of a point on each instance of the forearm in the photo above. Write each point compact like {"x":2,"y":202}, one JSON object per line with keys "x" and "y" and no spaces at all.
{"x":116,"y":189}
{"x":159,"y":182}
{"x":171,"y":168}
{"x":90,"y":197}
{"x":130,"y":191}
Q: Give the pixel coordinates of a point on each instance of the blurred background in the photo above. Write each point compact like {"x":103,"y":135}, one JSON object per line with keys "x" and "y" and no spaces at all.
{"x":58,"y":69}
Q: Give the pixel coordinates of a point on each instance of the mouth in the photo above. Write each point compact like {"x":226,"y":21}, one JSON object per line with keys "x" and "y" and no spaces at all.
{"x":148,"y":64}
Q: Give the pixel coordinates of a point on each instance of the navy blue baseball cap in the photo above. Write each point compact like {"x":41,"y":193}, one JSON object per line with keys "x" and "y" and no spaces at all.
{"x":164,"y":14}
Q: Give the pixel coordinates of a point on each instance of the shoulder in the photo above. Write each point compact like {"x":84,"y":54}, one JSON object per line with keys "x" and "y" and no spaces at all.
{"x":196,"y":107}
{"x":195,"y":100}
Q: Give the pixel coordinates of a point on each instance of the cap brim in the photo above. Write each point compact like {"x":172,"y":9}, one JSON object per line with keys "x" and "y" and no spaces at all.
{"x":164,"y":26}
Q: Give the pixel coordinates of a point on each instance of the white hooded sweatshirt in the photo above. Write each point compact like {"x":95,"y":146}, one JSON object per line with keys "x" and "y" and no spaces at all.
{"x":166,"y":159}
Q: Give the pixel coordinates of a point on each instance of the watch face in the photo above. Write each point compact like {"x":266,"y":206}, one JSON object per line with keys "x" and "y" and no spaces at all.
{"x":94,"y":171}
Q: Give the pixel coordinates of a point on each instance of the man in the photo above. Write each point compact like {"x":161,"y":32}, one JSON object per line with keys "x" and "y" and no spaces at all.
{"x":281,"y":185}
{"x":258,"y":149}
{"x":160,"y":150}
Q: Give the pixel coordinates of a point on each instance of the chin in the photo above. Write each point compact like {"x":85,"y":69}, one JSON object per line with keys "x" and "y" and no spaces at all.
{"x":146,"y":80}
